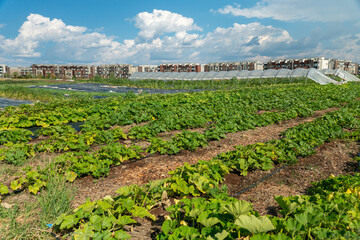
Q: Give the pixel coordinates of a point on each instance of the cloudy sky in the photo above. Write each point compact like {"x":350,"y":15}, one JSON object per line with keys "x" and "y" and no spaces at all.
{"x":153,"y":32}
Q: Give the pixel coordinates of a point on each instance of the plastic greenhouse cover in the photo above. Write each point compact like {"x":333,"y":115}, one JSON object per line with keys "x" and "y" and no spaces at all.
{"x":314,"y":74}
{"x":220,"y":75}
{"x":210,"y":75}
{"x":329,"y":71}
{"x":255,"y":74}
{"x":342,"y":74}
{"x":269,"y":73}
{"x":243,"y":74}
{"x":231,"y":74}
{"x":190,"y":76}
{"x":171,"y":75}
{"x":299,"y":72}
{"x":283,"y":73}
{"x":319,"y":77}
{"x":347,"y":76}
{"x":199,"y":76}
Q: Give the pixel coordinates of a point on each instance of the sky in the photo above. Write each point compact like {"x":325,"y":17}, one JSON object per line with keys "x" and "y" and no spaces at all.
{"x":154,"y":32}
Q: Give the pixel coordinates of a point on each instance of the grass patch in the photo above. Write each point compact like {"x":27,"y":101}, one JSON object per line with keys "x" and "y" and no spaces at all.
{"x":27,"y":218}
{"x":56,"y":200}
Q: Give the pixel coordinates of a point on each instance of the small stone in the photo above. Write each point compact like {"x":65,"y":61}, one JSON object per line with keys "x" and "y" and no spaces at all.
{"x":7,"y":205}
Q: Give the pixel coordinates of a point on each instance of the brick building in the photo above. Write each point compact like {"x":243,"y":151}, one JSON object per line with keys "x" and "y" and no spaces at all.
{"x":318,"y":63}
{"x":232,"y":66}
{"x":44,"y":70}
{"x":348,"y":66}
{"x":148,"y":68}
{"x":77,"y":71}
{"x":180,"y":67}
{"x":63,"y":71}
{"x":116,"y":70}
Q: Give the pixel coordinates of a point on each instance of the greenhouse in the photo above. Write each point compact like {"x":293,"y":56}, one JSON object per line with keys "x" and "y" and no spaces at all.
{"x":313,"y":74}
{"x":348,"y":77}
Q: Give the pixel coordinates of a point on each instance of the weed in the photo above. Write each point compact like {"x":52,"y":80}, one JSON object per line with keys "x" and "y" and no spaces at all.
{"x":56,"y":200}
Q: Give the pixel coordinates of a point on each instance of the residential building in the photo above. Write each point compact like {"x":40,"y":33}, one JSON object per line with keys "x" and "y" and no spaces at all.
{"x":4,"y":70}
{"x":348,"y":66}
{"x":180,"y":67}
{"x":21,"y":72}
{"x":148,"y":68}
{"x":318,"y":63}
{"x":63,"y":71}
{"x":233,"y":66}
{"x":77,"y":71}
{"x":116,"y":70}
{"x":44,"y":70}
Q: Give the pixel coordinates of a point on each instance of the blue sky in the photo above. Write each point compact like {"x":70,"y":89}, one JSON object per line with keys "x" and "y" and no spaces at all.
{"x":153,"y":32}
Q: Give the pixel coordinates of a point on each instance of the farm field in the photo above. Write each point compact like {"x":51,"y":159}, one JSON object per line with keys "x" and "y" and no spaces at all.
{"x":261,"y":162}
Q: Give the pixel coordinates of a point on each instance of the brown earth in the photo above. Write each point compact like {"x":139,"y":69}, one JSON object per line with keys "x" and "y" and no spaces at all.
{"x":331,"y":158}
{"x":157,"y":166}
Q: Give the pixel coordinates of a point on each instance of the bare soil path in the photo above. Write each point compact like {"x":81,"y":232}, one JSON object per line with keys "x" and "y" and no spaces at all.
{"x":157,"y":166}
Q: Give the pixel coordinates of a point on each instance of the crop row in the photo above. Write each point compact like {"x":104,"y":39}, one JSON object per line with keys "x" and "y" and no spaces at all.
{"x":218,"y":112}
{"x":178,"y":111}
{"x":106,"y":218}
{"x":211,"y":214}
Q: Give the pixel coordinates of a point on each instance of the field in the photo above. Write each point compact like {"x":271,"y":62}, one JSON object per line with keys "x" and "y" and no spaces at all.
{"x":256,"y":161}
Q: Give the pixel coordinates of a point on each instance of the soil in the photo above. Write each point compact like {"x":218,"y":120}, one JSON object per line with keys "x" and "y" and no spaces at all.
{"x":157,"y":166}
{"x":331,"y":158}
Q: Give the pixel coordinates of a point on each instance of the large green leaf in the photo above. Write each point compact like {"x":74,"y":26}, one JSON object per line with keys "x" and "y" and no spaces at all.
{"x":3,"y":189}
{"x":121,"y":235}
{"x":142,"y":212}
{"x":254,"y":224}
{"x":69,"y":222}
{"x":96,"y":222}
{"x":125,"y":220}
{"x":286,"y":205}
{"x":84,"y":234}
{"x":238,"y":208}
{"x":108,"y":222}
{"x":15,"y":185}
{"x":70,"y":176}
{"x":34,"y":189}
{"x":209,"y":222}
{"x":221,"y":235}
{"x":104,"y":205}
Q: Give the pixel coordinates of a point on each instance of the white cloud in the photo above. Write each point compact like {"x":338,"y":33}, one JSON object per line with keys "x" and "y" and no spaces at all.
{"x":73,"y":41}
{"x":44,"y":40}
{"x":160,"y":21}
{"x":2,"y":25}
{"x":243,"y":41}
{"x":345,"y":47}
{"x":305,"y":10}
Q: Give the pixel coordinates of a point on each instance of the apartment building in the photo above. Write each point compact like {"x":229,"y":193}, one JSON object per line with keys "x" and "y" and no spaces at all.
{"x":21,"y":72}
{"x":63,"y":71}
{"x":77,"y":71}
{"x":116,"y":70}
{"x":233,"y":66}
{"x":318,"y":63}
{"x":180,"y":67}
{"x":348,"y":66}
{"x":4,"y":70}
{"x":148,"y":68}
{"x":45,"y":70}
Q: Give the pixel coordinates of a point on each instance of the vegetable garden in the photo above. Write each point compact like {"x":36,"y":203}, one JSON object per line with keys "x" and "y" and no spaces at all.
{"x":41,"y":154}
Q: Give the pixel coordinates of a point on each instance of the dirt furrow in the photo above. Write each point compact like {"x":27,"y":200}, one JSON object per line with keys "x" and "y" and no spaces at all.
{"x":331,"y":158}
{"x":157,"y":166}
